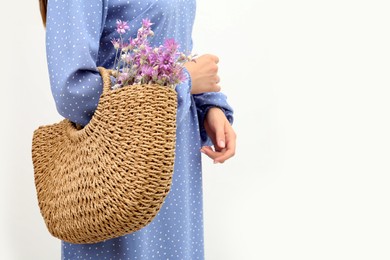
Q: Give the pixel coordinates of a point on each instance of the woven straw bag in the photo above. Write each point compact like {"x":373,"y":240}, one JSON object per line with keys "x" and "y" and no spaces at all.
{"x":111,"y":177}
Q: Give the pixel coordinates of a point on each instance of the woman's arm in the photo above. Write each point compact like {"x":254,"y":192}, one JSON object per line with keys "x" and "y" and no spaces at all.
{"x":204,"y":102}
{"x":205,"y":90}
{"x":221,"y":133}
{"x":73,"y":33}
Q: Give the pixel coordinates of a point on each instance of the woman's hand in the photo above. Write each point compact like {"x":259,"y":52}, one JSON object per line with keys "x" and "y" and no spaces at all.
{"x":204,"y":74}
{"x":222,"y":135}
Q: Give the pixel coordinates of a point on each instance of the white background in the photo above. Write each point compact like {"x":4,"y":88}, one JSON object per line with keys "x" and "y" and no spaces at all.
{"x":309,"y":81}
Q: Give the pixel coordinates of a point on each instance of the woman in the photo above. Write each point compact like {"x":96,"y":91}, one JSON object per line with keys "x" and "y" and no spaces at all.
{"x":78,"y":40}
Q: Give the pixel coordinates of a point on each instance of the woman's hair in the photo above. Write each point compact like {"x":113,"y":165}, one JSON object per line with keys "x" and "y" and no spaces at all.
{"x":43,"y":8}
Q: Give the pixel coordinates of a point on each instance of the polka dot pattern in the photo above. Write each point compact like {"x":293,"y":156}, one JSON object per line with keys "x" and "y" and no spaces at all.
{"x":78,"y":39}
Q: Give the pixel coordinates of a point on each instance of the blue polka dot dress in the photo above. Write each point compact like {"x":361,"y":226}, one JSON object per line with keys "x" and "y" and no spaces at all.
{"x":78,"y":40}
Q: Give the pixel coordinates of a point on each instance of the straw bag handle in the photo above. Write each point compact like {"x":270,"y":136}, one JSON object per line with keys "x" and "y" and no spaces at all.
{"x":105,"y":73}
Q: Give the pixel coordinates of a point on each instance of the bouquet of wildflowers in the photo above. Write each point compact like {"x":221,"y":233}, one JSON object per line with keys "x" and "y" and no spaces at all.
{"x":136,"y":62}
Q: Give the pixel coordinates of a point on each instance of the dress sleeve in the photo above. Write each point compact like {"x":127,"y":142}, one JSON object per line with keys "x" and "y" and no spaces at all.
{"x":73,"y":31}
{"x":183,"y":97}
{"x":204,"y":102}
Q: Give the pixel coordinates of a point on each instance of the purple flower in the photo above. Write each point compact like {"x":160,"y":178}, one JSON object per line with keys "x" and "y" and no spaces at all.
{"x":146,"y":23}
{"x":132,"y":43}
{"x":125,"y":46}
{"x":147,"y":70}
{"x":165,"y":61}
{"x":171,"y":45}
{"x":140,"y":63}
{"x":116,"y":43}
{"x":123,"y":77}
{"x":152,"y":58}
{"x":121,"y":26}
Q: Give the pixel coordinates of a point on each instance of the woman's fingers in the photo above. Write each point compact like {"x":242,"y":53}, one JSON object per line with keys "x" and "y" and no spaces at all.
{"x":222,"y":155}
{"x":207,"y":150}
{"x":219,"y":156}
{"x":227,"y":153}
{"x":214,"y":58}
{"x":217,"y":79}
{"x":224,"y":151}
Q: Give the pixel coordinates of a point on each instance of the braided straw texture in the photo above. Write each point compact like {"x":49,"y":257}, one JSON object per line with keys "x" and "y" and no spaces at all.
{"x":111,"y":177}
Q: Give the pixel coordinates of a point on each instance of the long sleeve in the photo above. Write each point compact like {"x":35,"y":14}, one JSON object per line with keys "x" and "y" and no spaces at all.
{"x":73,"y":33}
{"x":204,"y":102}
{"x":183,"y":97}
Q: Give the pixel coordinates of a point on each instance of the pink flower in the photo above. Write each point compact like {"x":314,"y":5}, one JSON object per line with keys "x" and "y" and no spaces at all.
{"x":165,"y":62}
{"x":146,"y":75}
{"x":123,"y":77}
{"x":132,"y":43}
{"x":171,"y":45}
{"x":125,"y":46}
{"x":141,"y":63}
{"x":146,"y":23}
{"x":121,"y":26}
